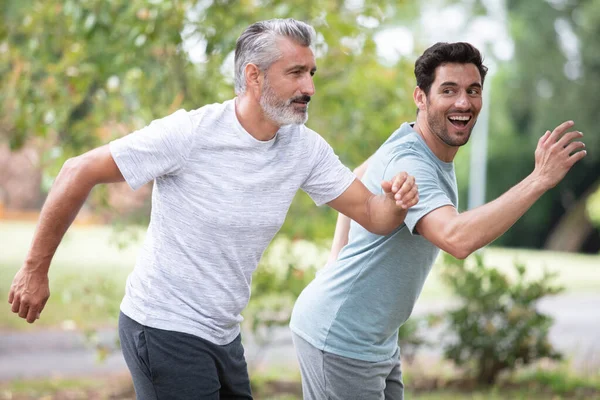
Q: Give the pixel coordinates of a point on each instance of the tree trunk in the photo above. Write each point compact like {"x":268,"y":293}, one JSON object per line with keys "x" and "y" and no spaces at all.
{"x":574,"y":227}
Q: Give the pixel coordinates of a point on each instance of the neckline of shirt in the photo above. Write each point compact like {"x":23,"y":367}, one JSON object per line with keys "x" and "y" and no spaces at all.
{"x":449,"y":165}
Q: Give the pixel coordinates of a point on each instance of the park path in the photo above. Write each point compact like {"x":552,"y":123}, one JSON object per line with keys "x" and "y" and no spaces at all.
{"x":56,"y":353}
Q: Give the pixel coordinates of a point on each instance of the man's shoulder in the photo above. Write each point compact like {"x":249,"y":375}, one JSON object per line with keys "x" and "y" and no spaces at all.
{"x":404,"y":142}
{"x":211,"y":113}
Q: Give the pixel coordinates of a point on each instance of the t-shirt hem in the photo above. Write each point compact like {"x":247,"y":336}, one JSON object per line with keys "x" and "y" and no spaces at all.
{"x":348,"y":354}
{"x":308,"y":338}
{"x":138,"y":316}
{"x":411,"y":227}
{"x":118,"y":156}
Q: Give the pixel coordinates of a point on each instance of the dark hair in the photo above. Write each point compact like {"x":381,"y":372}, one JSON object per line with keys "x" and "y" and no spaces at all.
{"x":443,"y":53}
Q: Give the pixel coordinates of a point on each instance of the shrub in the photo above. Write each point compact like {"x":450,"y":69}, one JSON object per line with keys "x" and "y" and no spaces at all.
{"x":410,"y":335}
{"x":497,"y":326}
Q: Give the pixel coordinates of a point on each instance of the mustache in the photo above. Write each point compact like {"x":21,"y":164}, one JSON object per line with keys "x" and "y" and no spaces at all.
{"x":303,"y":98}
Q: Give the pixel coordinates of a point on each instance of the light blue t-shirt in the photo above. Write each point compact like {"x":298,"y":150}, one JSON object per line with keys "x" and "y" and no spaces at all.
{"x":354,"y":307}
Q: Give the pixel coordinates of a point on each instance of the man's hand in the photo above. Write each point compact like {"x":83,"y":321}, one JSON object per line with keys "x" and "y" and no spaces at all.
{"x":402,"y":189}
{"x":29,"y":293}
{"x":556,"y":153}
{"x":379,"y":214}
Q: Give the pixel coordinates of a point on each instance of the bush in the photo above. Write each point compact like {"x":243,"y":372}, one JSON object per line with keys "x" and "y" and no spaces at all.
{"x":411,"y":338}
{"x":497,"y":326}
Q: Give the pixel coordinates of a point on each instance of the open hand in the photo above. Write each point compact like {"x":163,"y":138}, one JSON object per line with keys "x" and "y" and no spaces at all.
{"x":403,"y":189}
{"x":556,"y":153}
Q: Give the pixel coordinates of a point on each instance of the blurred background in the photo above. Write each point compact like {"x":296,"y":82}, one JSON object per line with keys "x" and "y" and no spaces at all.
{"x":519,"y":320}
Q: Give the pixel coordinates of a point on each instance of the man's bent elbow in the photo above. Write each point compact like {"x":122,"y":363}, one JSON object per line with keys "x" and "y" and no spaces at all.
{"x":383,"y":230}
{"x":460,"y":254}
{"x":459,"y":250}
{"x":74,"y":172}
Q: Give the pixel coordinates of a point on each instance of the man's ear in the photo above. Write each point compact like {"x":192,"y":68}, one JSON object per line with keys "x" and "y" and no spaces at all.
{"x":420,"y":98}
{"x":254,"y":77}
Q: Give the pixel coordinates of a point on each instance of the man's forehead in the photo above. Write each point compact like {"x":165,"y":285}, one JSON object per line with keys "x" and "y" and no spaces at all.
{"x":293,"y":53}
{"x":458,"y":73}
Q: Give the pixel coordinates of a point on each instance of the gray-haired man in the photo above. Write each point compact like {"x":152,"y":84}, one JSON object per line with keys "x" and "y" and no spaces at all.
{"x":224,"y":177}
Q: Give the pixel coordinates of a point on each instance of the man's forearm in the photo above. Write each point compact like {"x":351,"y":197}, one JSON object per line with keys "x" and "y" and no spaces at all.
{"x":474,"y":229}
{"x":378,"y":214}
{"x":384,"y":215}
{"x":60,"y":209}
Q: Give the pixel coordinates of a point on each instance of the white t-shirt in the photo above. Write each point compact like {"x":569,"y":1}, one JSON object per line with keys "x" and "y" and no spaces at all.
{"x":219,"y":198}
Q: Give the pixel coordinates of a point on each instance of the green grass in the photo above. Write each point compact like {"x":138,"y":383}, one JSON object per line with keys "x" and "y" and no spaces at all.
{"x":73,"y":389}
{"x":88,"y":273}
{"x":560,"y":381}
{"x":493,"y":394}
{"x":538,"y":384}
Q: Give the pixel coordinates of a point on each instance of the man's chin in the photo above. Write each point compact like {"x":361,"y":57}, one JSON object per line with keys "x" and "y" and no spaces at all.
{"x":300,"y":119}
{"x":461,"y":140}
{"x":460,"y":136}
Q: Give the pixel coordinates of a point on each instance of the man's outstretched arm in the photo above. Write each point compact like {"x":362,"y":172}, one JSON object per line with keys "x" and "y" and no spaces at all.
{"x":29,"y":290}
{"x":461,"y":234}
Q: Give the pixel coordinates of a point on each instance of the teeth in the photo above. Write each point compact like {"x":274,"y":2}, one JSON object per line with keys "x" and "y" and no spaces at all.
{"x":460,"y":118}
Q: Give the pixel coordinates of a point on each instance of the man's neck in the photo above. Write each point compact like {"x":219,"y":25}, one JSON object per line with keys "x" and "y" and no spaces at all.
{"x":442,"y":151}
{"x":253,"y":120}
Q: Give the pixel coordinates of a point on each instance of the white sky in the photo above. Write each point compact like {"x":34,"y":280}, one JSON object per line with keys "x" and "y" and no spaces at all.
{"x":450,"y":24}
{"x":437,"y":23}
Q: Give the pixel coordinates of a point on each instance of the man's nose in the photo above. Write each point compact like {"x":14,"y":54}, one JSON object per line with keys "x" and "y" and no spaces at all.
{"x":462,"y":102}
{"x":308,"y":86}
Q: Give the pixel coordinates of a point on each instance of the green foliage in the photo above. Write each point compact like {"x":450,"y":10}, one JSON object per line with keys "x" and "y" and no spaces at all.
{"x":553,"y":77}
{"x":276,"y":284}
{"x":78,"y":74}
{"x":497,"y":326}
{"x":410,"y":335}
{"x":562,"y":381}
{"x":71,"y":67}
{"x":593,"y":207}
{"x":274,"y":292}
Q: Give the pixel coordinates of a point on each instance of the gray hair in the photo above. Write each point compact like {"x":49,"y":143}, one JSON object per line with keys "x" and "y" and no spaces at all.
{"x":258,"y":45}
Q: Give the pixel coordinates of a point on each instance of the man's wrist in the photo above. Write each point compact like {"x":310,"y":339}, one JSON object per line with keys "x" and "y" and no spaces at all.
{"x":34,"y":265}
{"x":536,"y":183}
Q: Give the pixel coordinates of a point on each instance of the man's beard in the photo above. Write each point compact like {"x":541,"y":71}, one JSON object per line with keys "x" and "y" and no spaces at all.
{"x":282,"y":112}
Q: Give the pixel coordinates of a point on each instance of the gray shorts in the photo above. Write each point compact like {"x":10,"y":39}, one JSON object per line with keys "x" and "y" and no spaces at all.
{"x":329,"y":376}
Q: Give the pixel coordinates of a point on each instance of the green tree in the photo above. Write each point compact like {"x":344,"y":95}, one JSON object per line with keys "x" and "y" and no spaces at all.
{"x":75,"y":74}
{"x":554,"y":76}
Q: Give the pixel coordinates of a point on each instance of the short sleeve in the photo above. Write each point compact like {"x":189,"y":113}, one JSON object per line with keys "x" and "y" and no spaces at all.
{"x":160,"y":148}
{"x":431,"y":192}
{"x":328,"y":177}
